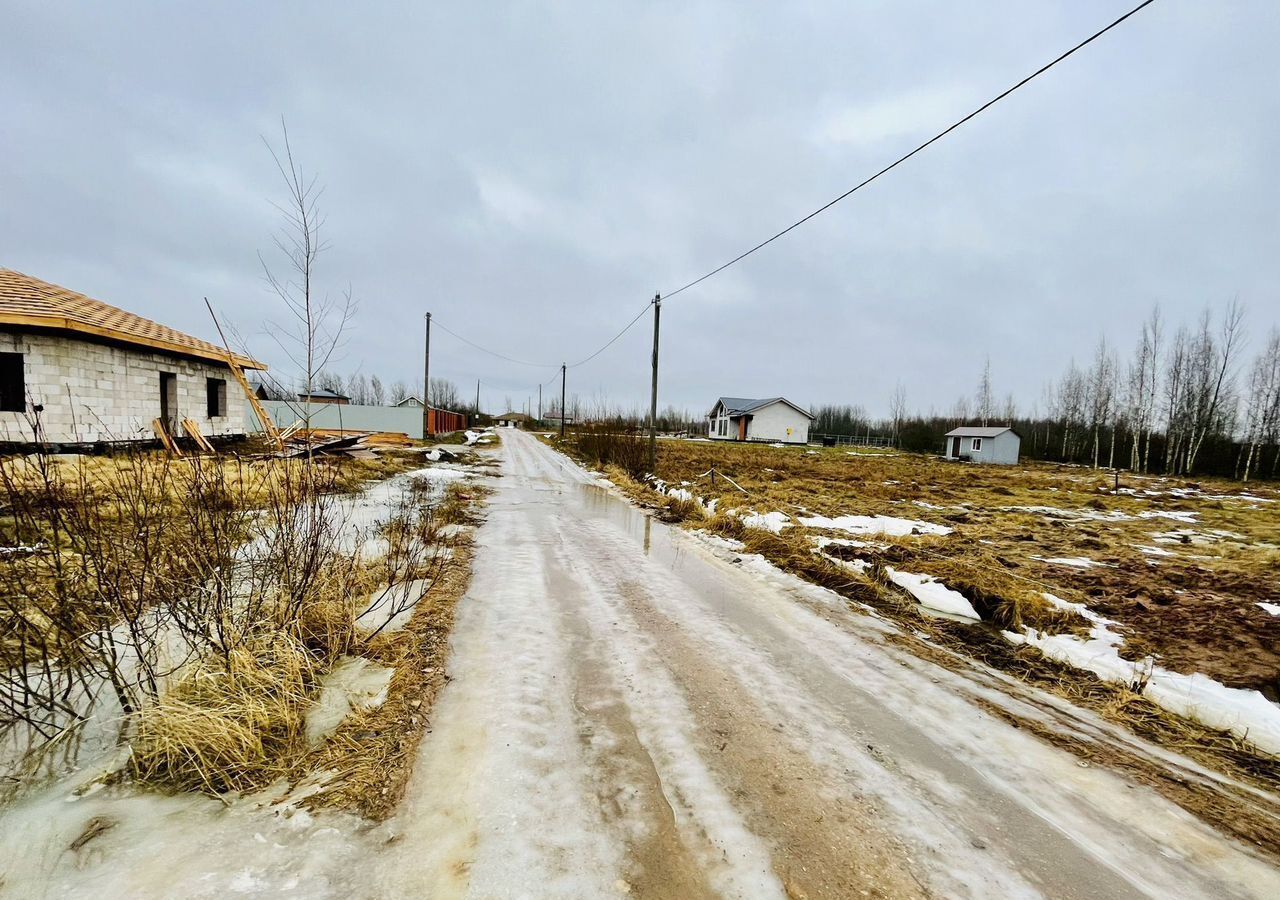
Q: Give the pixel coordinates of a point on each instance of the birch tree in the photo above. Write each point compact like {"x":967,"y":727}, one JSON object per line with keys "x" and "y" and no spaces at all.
{"x":1262,"y":415}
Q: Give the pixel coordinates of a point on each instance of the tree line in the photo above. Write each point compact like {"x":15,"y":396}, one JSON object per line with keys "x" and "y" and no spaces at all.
{"x":1181,"y":402}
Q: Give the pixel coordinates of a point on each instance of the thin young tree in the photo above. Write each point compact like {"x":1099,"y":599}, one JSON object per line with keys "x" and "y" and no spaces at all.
{"x":316,"y":320}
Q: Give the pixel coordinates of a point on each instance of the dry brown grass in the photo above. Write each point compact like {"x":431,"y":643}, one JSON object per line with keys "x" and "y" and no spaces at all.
{"x":227,"y":725}
{"x":1196,"y":608}
{"x":368,"y":760}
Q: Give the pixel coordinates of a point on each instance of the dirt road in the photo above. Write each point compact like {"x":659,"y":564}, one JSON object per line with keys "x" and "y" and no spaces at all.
{"x":635,"y":711}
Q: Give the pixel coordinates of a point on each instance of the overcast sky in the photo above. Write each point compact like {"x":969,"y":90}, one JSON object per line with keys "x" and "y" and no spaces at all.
{"x":533,"y":173}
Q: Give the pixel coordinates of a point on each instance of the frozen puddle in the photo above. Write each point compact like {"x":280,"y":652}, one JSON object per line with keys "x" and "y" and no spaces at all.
{"x":354,"y":683}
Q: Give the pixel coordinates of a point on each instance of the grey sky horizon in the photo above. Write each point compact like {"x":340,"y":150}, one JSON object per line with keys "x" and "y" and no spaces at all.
{"x":533,"y":173}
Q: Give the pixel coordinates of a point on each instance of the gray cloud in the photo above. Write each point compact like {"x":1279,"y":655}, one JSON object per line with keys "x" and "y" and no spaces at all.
{"x":533,"y":173}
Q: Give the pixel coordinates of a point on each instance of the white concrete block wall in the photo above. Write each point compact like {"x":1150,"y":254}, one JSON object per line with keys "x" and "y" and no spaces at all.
{"x":101,"y":392}
{"x":778,"y":422}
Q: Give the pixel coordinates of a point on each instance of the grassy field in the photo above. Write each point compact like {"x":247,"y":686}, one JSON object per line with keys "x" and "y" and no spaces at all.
{"x":1180,"y":565}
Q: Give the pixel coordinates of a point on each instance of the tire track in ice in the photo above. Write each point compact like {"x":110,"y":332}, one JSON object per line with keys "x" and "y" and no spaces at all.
{"x":499,"y":803}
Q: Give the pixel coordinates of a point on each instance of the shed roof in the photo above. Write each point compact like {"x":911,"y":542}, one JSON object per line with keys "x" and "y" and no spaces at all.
{"x":979,"y":431}
{"x":324,"y":393}
{"x":515,"y":417}
{"x":28,"y":301}
{"x":739,"y":406}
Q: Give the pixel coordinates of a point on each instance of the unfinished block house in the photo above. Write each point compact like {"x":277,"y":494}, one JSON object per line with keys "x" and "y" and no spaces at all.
{"x":77,"y":371}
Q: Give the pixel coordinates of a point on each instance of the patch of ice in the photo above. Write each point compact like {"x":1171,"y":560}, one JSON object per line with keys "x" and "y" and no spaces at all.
{"x":932,"y":593}
{"x":874,"y":525}
{"x":354,"y":683}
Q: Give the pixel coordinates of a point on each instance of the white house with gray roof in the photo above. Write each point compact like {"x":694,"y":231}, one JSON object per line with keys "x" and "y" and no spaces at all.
{"x":998,"y":445}
{"x":774,"y":420}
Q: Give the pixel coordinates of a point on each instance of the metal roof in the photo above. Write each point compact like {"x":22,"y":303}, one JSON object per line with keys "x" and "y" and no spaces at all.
{"x":978,"y":431}
{"x":738,"y":406}
{"x":28,"y":301}
{"x":324,"y":392}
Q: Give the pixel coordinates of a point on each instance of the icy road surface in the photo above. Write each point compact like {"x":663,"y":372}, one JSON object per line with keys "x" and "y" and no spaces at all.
{"x":633,"y":713}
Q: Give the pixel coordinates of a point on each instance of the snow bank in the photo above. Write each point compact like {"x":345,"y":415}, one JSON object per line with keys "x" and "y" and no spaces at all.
{"x":1246,"y":714}
{"x":874,"y":525}
{"x":933,"y":594}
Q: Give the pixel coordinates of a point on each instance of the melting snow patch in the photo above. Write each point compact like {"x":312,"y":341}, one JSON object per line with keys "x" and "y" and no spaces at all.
{"x":1246,"y":714}
{"x":1075,"y":562}
{"x":1272,"y":608}
{"x":1155,"y":551}
{"x":932,"y":593}
{"x":772,"y":521}
{"x":873,"y":525}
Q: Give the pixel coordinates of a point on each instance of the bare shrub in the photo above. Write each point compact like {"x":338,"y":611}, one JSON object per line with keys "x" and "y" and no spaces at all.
{"x":614,"y":444}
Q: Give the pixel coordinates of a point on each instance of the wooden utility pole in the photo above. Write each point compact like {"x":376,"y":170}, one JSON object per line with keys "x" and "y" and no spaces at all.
{"x":477,"y":398}
{"x":426,"y":384}
{"x":562,"y":412}
{"x":653,"y":399}
{"x":539,"y":403}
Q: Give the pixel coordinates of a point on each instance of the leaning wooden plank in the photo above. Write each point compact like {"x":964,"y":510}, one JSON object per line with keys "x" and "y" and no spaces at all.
{"x":268,"y":423}
{"x":162,"y":432}
{"x":193,"y":431}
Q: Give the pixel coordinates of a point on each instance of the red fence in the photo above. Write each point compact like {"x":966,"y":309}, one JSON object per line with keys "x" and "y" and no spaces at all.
{"x":444,"y":421}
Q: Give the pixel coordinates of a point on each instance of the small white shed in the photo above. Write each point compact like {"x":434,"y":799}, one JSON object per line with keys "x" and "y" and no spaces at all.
{"x":999,"y":445}
{"x":775,"y":419}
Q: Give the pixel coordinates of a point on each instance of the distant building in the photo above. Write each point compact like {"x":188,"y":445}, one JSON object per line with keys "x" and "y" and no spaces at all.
{"x":88,"y":372}
{"x":775,"y":420}
{"x":512,"y":420}
{"x":412,"y":401}
{"x":999,"y":445}
{"x":321,"y":395}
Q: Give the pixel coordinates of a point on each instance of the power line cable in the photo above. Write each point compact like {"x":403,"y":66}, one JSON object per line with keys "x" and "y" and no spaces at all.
{"x":937,"y":137}
{"x":520,"y":362}
{"x":609,"y":343}
{"x":737,"y":259}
